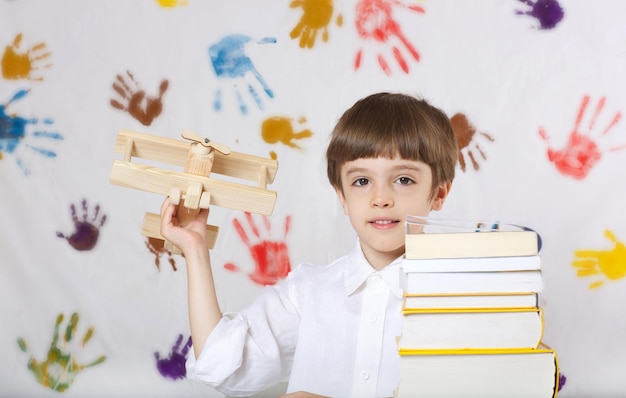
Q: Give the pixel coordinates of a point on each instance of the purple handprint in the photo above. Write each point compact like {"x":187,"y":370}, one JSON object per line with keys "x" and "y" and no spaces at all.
{"x":86,"y":232}
{"x":173,"y":367}
{"x":232,"y":64}
{"x":548,"y":12}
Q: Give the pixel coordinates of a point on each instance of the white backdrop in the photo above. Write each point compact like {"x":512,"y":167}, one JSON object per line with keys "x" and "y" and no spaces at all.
{"x":500,"y":69}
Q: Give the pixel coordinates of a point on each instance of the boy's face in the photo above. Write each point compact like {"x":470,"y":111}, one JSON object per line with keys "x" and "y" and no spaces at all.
{"x":378,"y":194}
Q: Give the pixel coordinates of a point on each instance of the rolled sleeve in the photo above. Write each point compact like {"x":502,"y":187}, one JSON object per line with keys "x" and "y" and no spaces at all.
{"x":252,"y":350}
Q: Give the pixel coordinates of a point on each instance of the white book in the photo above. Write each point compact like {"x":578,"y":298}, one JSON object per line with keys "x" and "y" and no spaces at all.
{"x":474,"y":264}
{"x":471,"y":328}
{"x":488,"y":374}
{"x":448,"y":301}
{"x":471,"y":282}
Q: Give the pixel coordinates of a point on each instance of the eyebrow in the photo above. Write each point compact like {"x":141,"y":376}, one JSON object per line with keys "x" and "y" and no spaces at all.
{"x":399,"y":167}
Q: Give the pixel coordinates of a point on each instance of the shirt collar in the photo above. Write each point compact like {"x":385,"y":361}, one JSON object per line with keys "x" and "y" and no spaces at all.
{"x":358,"y":270}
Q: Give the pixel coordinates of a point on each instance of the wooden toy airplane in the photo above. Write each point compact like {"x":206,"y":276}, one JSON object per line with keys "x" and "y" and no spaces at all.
{"x":200,"y":157}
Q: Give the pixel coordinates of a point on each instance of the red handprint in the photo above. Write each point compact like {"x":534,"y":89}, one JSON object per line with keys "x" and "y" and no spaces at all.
{"x":271,"y":257}
{"x":581,"y":152}
{"x":374,"y":22}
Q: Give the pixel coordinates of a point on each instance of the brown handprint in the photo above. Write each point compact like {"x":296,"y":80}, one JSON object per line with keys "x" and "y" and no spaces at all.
{"x":271,"y":257}
{"x":142,"y":107}
{"x":581,"y":152}
{"x":316,"y":17}
{"x":466,"y":135}
{"x":22,"y":64}
{"x":157,"y":247}
{"x":375,"y":22}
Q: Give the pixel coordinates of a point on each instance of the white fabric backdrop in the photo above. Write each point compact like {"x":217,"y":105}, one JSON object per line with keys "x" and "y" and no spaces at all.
{"x":479,"y":58}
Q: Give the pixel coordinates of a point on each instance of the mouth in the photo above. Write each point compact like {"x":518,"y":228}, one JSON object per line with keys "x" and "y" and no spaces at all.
{"x":383,"y":223}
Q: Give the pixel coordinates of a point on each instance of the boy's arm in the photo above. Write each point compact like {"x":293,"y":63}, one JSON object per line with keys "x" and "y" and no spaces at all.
{"x":204,"y":311}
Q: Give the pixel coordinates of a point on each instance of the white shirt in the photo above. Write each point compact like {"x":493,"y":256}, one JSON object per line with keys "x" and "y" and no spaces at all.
{"x":330,"y":330}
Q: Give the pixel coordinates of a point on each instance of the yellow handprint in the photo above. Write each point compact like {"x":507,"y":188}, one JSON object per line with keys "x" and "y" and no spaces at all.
{"x":316,"y":16}
{"x":21,"y":65}
{"x":611,"y":263}
{"x":59,"y":369}
{"x":172,"y":3}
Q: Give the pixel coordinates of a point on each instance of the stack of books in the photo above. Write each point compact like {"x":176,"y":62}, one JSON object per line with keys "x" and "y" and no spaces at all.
{"x":472,"y":324}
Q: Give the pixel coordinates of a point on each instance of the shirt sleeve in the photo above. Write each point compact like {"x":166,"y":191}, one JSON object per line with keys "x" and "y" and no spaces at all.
{"x":252,"y":350}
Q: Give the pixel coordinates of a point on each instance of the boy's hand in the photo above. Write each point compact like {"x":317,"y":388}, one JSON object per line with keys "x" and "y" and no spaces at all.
{"x":184,"y":237}
{"x":301,"y":394}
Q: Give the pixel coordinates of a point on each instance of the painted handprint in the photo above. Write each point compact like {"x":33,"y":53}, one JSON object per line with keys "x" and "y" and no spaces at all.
{"x":581,"y":152}
{"x":172,"y":3}
{"x":281,"y":129}
{"x":607,"y":264}
{"x":173,"y":367}
{"x":316,"y":16}
{"x":375,"y":23}
{"x":467,"y":137}
{"x":271,"y":257}
{"x":157,"y":247}
{"x":133,"y":99}
{"x":13,"y":132}
{"x":234,"y":67}
{"x":18,"y":64}
{"x":86,"y":230}
{"x":59,"y":369}
{"x":548,"y":12}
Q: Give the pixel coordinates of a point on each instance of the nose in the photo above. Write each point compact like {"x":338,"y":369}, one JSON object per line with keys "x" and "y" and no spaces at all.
{"x":382,"y":198}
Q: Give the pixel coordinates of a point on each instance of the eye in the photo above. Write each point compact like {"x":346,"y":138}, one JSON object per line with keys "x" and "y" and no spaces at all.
{"x":405,"y":181}
{"x":359,"y":182}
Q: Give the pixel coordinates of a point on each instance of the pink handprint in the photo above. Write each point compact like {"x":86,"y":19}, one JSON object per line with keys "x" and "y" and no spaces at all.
{"x":581,"y":152}
{"x":271,"y":257}
{"x":374,"y":22}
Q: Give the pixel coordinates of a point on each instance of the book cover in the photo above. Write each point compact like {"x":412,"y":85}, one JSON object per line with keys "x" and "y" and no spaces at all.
{"x":471,"y":282}
{"x":507,"y":373}
{"x":477,"y":328}
{"x":428,"y":237}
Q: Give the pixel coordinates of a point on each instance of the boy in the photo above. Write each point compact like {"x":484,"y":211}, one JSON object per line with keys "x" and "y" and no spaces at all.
{"x":330,"y":330}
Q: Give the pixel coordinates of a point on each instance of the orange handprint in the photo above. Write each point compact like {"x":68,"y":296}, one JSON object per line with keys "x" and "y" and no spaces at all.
{"x":581,"y":152}
{"x":374,"y":22}
{"x":17,"y":64}
{"x":316,"y":16}
{"x":271,"y":257}
{"x":139,"y":105}
{"x":610,"y":263}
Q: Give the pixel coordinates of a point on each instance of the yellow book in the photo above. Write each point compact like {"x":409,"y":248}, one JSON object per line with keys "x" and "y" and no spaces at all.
{"x":471,"y":328}
{"x":496,"y":373}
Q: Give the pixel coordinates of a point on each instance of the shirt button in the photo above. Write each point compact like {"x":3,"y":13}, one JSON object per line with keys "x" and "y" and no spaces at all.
{"x":375,"y":281}
{"x":372,"y":318}
{"x":365,"y":375}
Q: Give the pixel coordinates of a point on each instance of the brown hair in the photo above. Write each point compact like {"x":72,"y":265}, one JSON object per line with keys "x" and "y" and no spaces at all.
{"x":389,"y":125}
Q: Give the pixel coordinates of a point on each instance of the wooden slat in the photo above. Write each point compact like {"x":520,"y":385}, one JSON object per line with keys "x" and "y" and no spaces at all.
{"x":223,"y":193}
{"x":174,"y":152}
{"x":152,"y":229}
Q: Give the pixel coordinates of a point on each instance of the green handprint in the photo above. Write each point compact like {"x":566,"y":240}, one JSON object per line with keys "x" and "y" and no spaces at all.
{"x":610,"y":263}
{"x":60,"y":369}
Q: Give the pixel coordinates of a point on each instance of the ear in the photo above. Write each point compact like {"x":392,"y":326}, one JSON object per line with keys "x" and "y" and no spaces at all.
{"x":342,"y":199}
{"x":440,"y":197}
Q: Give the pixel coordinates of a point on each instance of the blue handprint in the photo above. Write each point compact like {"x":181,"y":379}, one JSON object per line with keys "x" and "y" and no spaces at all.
{"x":231,"y":63}
{"x":13,"y":131}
